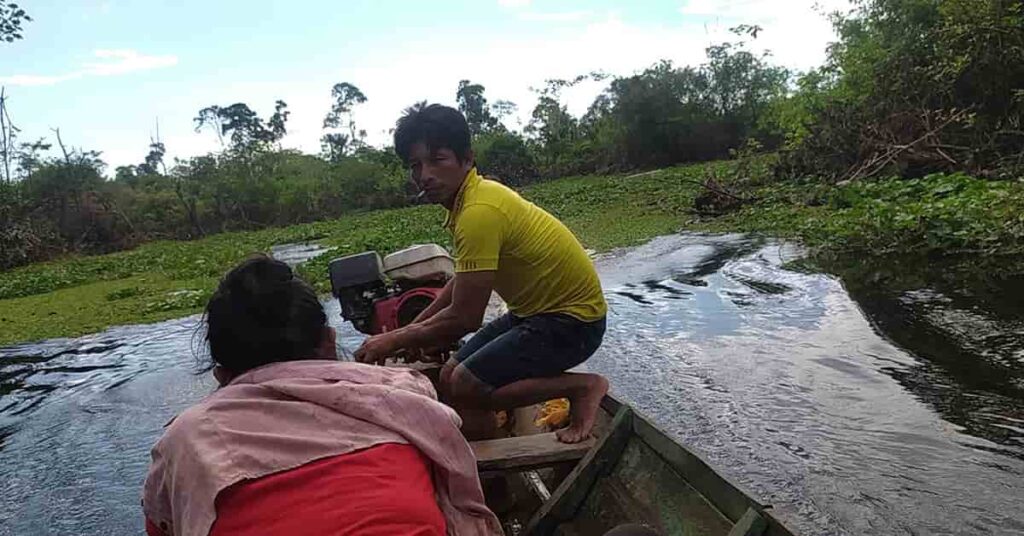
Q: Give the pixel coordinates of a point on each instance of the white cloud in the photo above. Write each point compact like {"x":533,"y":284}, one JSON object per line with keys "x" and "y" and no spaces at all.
{"x":794,"y":31}
{"x":113,"y":62}
{"x":556,"y":16}
{"x":522,"y":13}
{"x":759,"y":9}
{"x":126,"y":61}
{"x":720,"y":8}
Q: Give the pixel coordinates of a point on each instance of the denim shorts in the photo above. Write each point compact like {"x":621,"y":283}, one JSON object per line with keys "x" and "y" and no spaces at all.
{"x":512,"y":348}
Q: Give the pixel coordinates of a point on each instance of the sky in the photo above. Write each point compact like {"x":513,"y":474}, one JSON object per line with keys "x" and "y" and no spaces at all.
{"x":111,"y":74}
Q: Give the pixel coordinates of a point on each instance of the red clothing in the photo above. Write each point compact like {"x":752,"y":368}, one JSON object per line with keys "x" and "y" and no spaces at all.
{"x":286,"y":415}
{"x":382,"y":490}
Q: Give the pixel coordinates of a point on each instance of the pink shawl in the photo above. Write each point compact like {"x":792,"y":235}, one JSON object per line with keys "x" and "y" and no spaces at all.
{"x":284,"y":415}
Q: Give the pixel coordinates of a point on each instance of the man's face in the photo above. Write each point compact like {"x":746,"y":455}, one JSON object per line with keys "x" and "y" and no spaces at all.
{"x":438,"y":174}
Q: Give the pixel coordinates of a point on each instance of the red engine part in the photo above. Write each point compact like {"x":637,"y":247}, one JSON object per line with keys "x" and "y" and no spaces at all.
{"x":392,"y":313}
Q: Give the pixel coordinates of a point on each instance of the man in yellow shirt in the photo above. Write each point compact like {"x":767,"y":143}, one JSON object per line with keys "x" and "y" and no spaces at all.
{"x":504,"y":243}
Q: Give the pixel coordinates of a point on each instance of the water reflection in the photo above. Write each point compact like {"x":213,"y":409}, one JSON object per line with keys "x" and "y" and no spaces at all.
{"x":296,"y":254}
{"x":965,"y":323}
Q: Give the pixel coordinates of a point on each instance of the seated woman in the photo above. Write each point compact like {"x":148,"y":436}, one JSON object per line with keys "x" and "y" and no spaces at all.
{"x":296,"y":442}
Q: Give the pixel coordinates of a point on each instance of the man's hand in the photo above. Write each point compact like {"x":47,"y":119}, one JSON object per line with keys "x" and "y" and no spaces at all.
{"x":425,"y":355}
{"x":376,"y":349}
{"x":470,"y":293}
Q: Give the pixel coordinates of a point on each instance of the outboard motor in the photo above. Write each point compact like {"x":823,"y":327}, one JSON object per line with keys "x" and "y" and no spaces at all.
{"x":378,"y":296}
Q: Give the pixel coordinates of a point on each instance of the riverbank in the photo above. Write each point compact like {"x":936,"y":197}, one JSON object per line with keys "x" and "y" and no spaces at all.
{"x":935,"y":215}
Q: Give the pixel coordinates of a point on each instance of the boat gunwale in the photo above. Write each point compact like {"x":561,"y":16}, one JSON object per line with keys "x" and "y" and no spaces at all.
{"x":733,"y":507}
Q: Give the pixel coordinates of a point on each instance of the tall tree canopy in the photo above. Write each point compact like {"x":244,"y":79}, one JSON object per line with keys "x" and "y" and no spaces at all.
{"x":335,"y":145}
{"x":11,"y":18}
{"x":473,"y":104}
{"x":246,"y":129}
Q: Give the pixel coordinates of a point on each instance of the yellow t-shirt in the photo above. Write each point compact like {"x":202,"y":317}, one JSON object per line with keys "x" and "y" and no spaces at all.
{"x":540,"y":266}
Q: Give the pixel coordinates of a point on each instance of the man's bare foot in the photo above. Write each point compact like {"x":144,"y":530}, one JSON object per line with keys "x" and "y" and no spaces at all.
{"x":583,"y":408}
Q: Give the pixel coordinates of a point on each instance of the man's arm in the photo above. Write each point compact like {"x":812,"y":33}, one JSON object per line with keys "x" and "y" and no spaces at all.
{"x":470,"y":292}
{"x":444,"y":299}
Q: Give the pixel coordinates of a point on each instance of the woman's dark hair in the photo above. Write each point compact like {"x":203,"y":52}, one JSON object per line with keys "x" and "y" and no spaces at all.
{"x":436,"y":126}
{"x":261,"y":313}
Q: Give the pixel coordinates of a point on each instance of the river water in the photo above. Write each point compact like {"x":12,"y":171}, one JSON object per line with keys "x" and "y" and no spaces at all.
{"x":886,"y":400}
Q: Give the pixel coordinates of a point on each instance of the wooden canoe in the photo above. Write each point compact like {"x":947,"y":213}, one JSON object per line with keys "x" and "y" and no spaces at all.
{"x":629,"y":472}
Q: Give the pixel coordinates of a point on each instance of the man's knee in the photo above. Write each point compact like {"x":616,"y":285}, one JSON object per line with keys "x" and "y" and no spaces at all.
{"x":447,"y":370}
{"x":445,"y":379}
{"x":464,"y":386}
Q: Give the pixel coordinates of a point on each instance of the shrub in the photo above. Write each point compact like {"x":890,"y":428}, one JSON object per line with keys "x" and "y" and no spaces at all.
{"x":506,"y":156}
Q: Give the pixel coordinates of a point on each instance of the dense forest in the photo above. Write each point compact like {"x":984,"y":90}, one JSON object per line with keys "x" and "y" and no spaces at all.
{"x":910,"y":87}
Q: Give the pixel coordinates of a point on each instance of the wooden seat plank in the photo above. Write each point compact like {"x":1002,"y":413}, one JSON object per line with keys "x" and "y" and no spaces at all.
{"x":527,"y":452}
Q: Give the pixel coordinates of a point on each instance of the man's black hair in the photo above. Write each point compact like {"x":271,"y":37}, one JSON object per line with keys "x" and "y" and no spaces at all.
{"x":436,"y":126}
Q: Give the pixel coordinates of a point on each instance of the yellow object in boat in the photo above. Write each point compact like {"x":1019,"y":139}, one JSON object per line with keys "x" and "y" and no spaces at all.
{"x":553,"y":414}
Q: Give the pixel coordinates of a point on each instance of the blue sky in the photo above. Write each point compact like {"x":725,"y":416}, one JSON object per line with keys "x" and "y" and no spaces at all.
{"x":105,"y":71}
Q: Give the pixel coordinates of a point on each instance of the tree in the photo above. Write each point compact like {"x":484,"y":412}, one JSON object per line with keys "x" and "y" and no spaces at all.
{"x":246,"y":130}
{"x":8,"y":138}
{"x":277,"y":122}
{"x":212,"y":118}
{"x":28,"y":156}
{"x":473,"y":104}
{"x":666,"y":114}
{"x":915,"y":87}
{"x":244,"y":125}
{"x":187,"y":188}
{"x":154,"y":160}
{"x":551,"y":122}
{"x":63,"y":186}
{"x":11,"y":18}
{"x":16,"y":159}
{"x":502,"y":109}
{"x":185,"y":191}
{"x":336,"y":145}
{"x":126,"y":174}
{"x":346,"y":96}
{"x":741,"y":83}
{"x":505,"y":156}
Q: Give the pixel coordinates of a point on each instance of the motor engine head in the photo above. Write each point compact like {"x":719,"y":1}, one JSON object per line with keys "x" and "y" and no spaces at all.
{"x":378,"y":296}
{"x":357,"y":281}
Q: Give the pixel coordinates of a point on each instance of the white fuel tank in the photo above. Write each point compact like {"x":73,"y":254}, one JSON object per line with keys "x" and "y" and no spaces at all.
{"x":423,"y":261}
